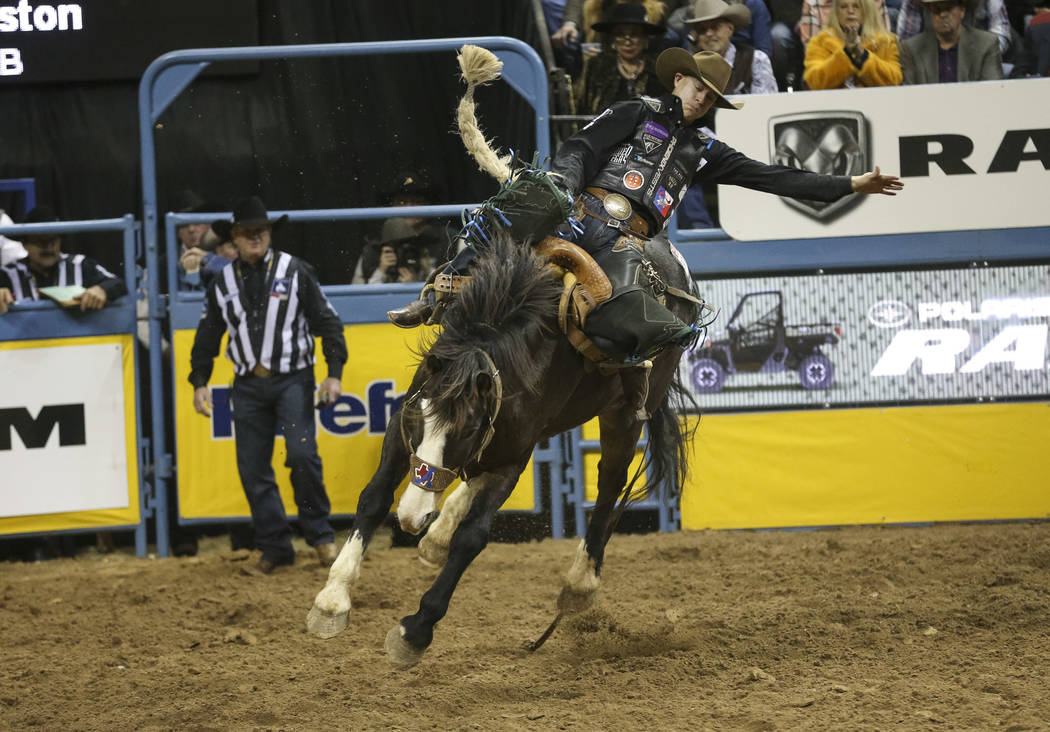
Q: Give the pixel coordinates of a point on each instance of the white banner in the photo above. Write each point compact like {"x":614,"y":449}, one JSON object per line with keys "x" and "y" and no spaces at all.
{"x":972,"y":156}
{"x":62,"y":438}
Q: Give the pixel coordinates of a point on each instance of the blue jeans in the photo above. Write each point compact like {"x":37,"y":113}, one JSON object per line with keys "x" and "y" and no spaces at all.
{"x":259,"y":406}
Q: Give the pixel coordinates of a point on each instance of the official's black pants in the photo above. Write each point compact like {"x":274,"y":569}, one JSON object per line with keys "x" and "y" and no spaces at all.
{"x":259,"y":405}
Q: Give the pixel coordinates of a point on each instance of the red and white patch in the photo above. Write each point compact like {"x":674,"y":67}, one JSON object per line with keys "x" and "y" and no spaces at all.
{"x":633,"y":180}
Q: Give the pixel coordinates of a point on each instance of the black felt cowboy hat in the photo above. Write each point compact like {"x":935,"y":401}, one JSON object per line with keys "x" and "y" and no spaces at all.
{"x":40,"y":215}
{"x":627,"y":14}
{"x":250,"y":212}
{"x":710,"y":68}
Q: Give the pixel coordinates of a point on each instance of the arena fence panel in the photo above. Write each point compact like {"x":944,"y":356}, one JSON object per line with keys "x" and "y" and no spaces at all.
{"x":71,"y":445}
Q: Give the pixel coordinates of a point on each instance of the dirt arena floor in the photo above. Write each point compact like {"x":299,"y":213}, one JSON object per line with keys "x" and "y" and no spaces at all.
{"x":944,"y":627}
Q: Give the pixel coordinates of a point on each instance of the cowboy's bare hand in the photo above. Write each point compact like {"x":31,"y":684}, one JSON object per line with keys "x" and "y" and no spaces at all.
{"x":93,"y":298}
{"x":330,"y":390}
{"x":875,"y":182}
{"x":6,"y":298}
{"x":565,"y":35}
{"x":202,"y":400}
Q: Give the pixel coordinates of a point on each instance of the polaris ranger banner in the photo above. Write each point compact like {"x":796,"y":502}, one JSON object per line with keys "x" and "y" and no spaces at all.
{"x":972,"y":156}
{"x":878,"y":338}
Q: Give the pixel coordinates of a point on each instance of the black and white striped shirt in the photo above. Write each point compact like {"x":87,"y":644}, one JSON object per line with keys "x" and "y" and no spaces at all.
{"x":74,"y":269}
{"x":272,"y":312}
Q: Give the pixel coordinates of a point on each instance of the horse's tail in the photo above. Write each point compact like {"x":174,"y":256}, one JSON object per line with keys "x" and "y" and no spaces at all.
{"x":479,"y":66}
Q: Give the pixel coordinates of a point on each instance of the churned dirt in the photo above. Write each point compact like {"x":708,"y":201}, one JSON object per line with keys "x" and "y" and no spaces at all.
{"x":944,"y":627}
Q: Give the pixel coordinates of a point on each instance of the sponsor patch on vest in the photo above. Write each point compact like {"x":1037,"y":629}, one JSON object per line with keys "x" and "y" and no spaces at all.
{"x":620,"y":156}
{"x":651,"y":142}
{"x":281,"y":287}
{"x":663,"y":201}
{"x":657,"y":130}
{"x":633,"y":180}
{"x":653,"y":103}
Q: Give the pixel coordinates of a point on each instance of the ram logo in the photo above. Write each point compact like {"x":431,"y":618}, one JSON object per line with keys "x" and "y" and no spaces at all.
{"x":832,"y":143}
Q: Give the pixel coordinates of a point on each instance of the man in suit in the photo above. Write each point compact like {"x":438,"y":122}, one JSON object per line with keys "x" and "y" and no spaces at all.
{"x":947,"y":51}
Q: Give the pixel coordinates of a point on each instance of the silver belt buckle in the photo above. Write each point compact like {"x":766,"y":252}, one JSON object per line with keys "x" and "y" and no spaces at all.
{"x":618,"y":206}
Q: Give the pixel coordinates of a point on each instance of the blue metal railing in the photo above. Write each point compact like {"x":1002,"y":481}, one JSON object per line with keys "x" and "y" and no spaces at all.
{"x":171,"y":73}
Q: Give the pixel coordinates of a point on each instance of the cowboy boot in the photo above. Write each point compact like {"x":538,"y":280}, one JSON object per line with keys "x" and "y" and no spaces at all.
{"x":429,"y":307}
{"x":416,"y":312}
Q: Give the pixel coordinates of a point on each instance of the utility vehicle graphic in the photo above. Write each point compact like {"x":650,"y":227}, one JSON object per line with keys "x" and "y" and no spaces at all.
{"x":758,"y":341}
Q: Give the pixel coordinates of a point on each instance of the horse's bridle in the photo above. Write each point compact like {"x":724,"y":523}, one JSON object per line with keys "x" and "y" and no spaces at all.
{"x":435,"y":478}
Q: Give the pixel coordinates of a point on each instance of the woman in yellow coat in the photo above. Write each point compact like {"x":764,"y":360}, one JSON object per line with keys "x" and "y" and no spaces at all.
{"x":854,"y":49}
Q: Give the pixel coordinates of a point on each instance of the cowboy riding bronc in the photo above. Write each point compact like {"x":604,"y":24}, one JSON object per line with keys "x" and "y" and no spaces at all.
{"x":620,"y":178}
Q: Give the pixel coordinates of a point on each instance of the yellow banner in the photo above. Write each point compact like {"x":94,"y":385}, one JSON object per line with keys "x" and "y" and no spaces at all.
{"x":349,"y":437}
{"x":101,"y":518}
{"x":869,"y":466}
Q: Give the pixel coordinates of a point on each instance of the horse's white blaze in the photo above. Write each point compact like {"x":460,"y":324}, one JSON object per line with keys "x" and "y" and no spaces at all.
{"x":333,"y":597}
{"x":582,"y":576}
{"x":416,"y":504}
{"x":455,"y":508}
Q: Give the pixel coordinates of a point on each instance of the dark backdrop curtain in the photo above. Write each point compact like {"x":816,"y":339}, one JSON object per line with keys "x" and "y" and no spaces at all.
{"x":326,"y":133}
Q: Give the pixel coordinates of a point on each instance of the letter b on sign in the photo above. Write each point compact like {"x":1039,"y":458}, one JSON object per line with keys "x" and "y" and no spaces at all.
{"x":10,"y":62}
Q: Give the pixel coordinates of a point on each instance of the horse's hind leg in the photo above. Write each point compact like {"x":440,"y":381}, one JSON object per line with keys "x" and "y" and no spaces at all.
{"x":330,"y":613}
{"x":619,"y":436}
{"x":408,"y":640}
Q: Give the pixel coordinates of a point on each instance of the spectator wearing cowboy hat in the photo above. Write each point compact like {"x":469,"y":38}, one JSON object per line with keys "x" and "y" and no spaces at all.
{"x":626,"y":68}
{"x":45,"y":265}
{"x":853,"y":50}
{"x":711,"y":26}
{"x":272,"y":308}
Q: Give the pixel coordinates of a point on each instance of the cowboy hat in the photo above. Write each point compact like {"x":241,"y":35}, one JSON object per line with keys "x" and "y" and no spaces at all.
{"x":246,"y":212}
{"x":736,"y":13}
{"x":627,"y":14}
{"x":710,"y":68}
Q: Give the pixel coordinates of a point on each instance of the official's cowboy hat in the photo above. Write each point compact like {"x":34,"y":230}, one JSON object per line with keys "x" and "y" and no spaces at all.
{"x":627,"y":14}
{"x":736,"y":13}
{"x":710,"y":68}
{"x":248,"y":211}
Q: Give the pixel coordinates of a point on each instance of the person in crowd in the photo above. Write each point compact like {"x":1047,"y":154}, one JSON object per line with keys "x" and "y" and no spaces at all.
{"x":625,"y":189}
{"x":949,"y":51}
{"x":711,"y":27}
{"x":213,"y":252}
{"x":402,"y":254}
{"x":815,"y":17}
{"x":583,"y":14}
{"x":272,"y":307}
{"x":45,"y":265}
{"x":409,"y":188}
{"x":189,"y":236}
{"x":853,"y":50}
{"x":787,"y":46}
{"x":10,"y":250}
{"x":1037,"y":42}
{"x":566,"y":53}
{"x":626,"y":68}
{"x":757,"y":33}
{"x":987,"y":15}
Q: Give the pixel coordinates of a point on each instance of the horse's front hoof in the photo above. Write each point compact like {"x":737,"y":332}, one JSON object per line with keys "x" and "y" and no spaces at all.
{"x":330,"y":614}
{"x":431,"y":553}
{"x":326,"y":625}
{"x":401,"y":654}
{"x":572,"y":601}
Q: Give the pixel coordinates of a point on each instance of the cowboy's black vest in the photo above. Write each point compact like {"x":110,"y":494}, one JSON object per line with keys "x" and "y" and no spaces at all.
{"x":652,"y":165}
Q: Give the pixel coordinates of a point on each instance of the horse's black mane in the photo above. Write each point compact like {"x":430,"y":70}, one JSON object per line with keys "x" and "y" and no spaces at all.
{"x":508,"y":307}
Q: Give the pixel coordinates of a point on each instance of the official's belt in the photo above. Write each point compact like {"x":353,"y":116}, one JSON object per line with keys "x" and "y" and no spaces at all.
{"x":623,"y":216}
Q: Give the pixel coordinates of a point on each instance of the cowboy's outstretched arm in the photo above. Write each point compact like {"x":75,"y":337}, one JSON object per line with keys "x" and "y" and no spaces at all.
{"x":875,"y":182}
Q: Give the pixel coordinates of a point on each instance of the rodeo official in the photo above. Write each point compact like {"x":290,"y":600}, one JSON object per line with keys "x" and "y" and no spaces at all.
{"x":621,"y":178}
{"x":272,"y":307}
